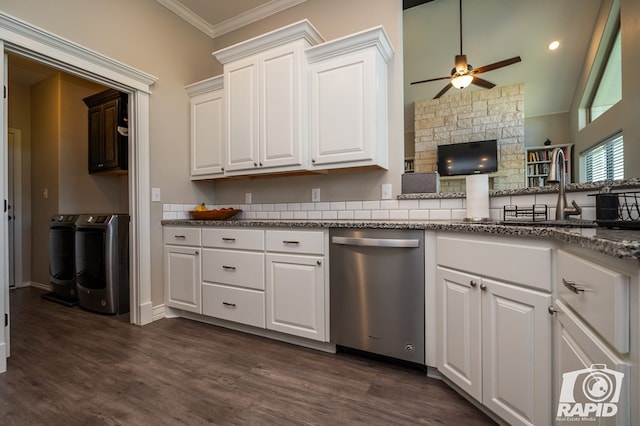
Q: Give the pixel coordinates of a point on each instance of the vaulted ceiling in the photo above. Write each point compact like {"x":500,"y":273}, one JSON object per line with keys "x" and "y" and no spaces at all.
{"x":493,"y":30}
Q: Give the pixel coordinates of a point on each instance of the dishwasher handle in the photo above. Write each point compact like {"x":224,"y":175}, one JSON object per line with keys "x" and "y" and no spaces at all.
{"x":376,"y":242}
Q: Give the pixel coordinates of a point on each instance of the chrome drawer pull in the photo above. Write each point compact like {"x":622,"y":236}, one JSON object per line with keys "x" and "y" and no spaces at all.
{"x":232,"y":268}
{"x":290,"y":242}
{"x":179,"y":237}
{"x":228,"y":239}
{"x":229,"y":305}
{"x":572,"y":286}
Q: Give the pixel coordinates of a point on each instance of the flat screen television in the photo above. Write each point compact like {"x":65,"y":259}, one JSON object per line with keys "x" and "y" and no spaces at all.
{"x":468,"y":158}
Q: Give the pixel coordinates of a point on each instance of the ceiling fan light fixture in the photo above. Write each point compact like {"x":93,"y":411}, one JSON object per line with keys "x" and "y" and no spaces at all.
{"x":461,"y":81}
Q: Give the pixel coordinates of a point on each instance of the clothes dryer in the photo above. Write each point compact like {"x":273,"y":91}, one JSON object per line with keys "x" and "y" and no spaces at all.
{"x":102,"y":262}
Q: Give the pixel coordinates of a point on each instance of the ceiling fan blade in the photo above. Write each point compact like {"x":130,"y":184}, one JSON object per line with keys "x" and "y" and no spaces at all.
{"x":482,"y":83}
{"x":443,"y":91}
{"x":497,"y":65}
{"x":431,"y":79}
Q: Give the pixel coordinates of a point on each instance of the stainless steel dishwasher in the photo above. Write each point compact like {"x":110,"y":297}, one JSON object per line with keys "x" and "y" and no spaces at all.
{"x":377,"y":291}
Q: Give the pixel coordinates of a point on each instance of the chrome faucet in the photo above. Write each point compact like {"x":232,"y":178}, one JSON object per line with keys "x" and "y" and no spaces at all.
{"x":557,"y":173}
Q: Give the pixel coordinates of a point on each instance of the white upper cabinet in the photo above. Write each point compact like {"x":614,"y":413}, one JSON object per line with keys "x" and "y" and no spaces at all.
{"x":206,"y":100}
{"x":292,"y":102}
{"x":348,"y":89}
{"x":266,"y":98}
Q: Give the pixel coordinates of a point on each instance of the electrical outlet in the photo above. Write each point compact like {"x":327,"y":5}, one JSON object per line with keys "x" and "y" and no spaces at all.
{"x":315,"y":195}
{"x":247,"y":198}
{"x":386,"y":191}
{"x":155,"y":195}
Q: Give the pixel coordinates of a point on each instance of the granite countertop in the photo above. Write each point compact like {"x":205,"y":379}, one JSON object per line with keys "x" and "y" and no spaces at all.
{"x":623,"y":244}
{"x":614,"y":185}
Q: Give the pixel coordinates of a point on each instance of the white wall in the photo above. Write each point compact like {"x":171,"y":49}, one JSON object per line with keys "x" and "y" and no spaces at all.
{"x":624,"y":115}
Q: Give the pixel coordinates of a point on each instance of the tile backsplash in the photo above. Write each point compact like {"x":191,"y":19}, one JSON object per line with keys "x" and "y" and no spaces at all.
{"x":423,"y":209}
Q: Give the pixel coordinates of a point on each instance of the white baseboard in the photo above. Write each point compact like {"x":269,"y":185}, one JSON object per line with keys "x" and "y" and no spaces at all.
{"x":159,"y":312}
{"x":41,"y":286}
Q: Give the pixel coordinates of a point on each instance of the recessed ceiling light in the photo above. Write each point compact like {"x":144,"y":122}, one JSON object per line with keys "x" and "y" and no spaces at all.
{"x":554,"y":45}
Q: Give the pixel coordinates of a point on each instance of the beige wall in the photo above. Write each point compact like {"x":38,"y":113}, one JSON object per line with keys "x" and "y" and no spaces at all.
{"x":624,"y":115}
{"x":44,"y":166}
{"x":146,"y":35}
{"x":19,"y":107}
{"x":333,"y":19}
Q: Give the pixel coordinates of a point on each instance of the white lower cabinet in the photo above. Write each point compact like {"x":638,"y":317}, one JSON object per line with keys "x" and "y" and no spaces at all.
{"x":296,"y":283}
{"x":595,"y":353}
{"x":182,"y":272}
{"x":270,"y":279}
{"x":494,"y":333}
{"x":495,"y":344}
{"x":295,"y":295}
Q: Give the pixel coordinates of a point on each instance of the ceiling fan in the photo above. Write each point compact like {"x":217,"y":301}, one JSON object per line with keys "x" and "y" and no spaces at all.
{"x":463,"y":74}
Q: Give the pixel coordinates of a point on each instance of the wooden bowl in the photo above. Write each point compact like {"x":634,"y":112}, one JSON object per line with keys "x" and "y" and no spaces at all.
{"x":213,"y":214}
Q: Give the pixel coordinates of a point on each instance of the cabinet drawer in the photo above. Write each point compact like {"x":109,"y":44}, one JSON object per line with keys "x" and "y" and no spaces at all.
{"x":237,"y":268}
{"x":241,"y":239}
{"x":599,"y":295}
{"x":234,"y":304}
{"x":182,"y":236}
{"x":518,"y":263}
{"x":310,"y":242}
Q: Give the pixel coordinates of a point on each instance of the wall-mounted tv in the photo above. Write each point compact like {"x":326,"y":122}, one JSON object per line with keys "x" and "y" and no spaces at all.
{"x":468,"y":158}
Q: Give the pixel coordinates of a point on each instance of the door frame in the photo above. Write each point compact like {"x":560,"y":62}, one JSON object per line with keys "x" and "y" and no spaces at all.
{"x":16,"y":208}
{"x":24,"y":39}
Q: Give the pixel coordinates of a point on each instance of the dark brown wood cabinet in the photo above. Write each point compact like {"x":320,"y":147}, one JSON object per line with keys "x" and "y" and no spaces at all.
{"x":108,"y":140}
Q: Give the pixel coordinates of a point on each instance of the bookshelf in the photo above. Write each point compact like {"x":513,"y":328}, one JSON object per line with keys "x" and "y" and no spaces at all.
{"x":538,"y":160}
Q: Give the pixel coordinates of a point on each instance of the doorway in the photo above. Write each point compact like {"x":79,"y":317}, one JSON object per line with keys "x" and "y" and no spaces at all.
{"x":22,"y":38}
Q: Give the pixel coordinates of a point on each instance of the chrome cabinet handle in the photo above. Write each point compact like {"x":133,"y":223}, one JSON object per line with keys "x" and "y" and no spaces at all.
{"x":180,"y":237}
{"x":483,"y":287}
{"x":290,"y":242}
{"x":227,"y":239}
{"x":552,"y":310}
{"x":573,"y":286}
{"x":473,"y":283}
{"x":232,"y":268}
{"x":229,"y":305}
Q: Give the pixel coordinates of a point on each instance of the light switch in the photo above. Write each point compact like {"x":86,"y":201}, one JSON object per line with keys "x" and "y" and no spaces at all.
{"x":155,"y":195}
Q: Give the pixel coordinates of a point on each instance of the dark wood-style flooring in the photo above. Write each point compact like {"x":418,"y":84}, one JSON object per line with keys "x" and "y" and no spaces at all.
{"x":73,"y":367}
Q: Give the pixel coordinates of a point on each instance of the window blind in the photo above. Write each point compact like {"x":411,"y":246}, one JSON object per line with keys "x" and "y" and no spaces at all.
{"x":605,"y":161}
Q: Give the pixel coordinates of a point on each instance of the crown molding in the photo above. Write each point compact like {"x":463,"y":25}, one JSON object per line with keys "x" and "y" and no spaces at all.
{"x":232,"y":24}
{"x":188,"y":15}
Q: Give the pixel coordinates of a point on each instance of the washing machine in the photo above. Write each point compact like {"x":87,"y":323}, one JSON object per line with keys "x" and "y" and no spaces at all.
{"x":102,"y":262}
{"x":62,"y":272}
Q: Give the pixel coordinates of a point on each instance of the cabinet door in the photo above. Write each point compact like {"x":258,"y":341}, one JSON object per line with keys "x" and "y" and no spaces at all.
{"x":95,"y":138}
{"x":280,"y":114}
{"x":111,"y":149}
{"x":296,"y":295}
{"x":344,"y":118}
{"x":241,"y":122}
{"x":516,"y":339}
{"x":182,"y":275}
{"x":459,"y":351}
{"x":578,"y":349}
{"x":207,"y":142}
